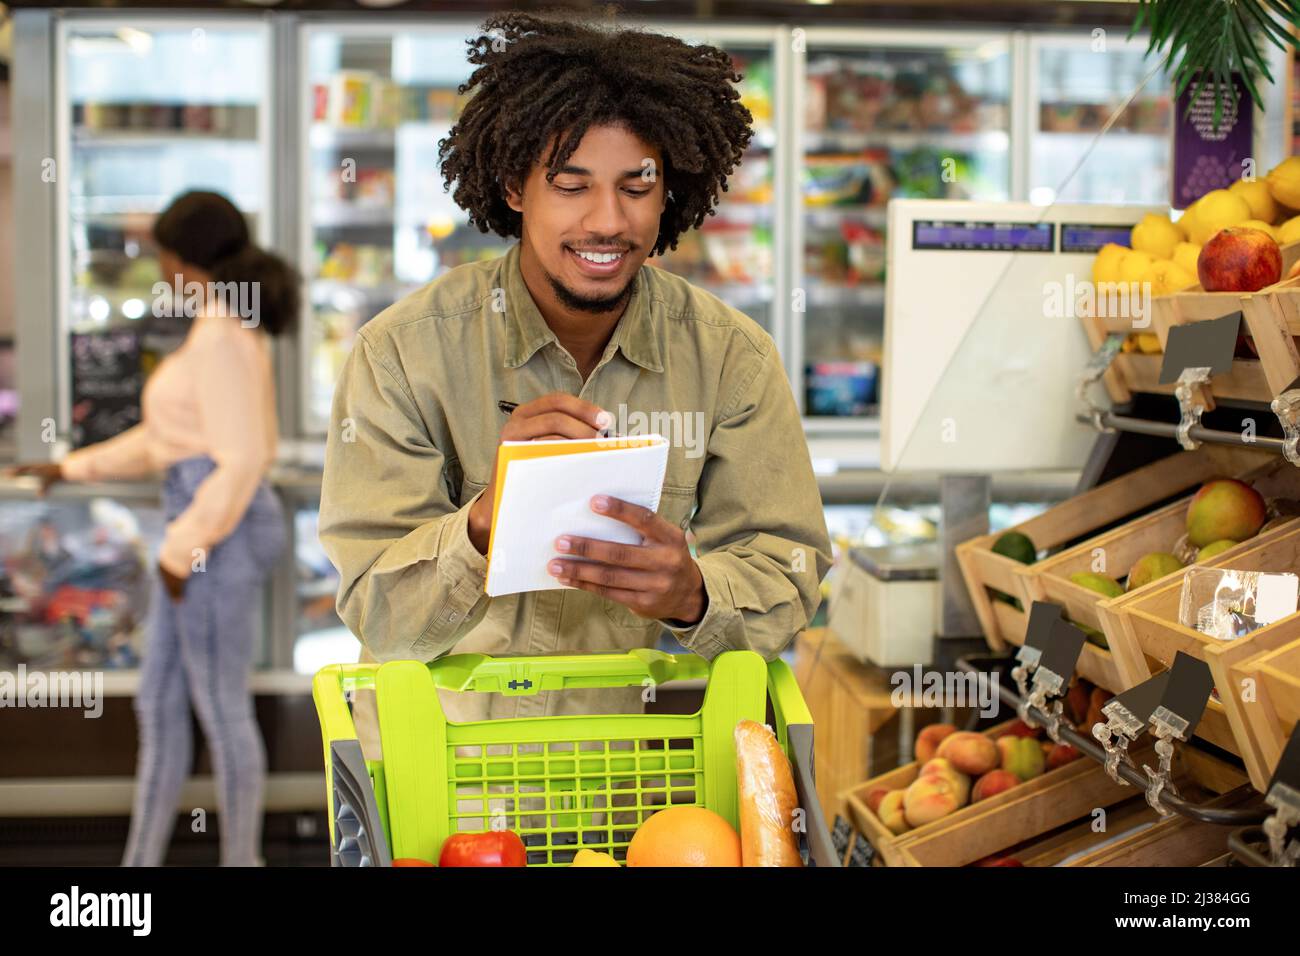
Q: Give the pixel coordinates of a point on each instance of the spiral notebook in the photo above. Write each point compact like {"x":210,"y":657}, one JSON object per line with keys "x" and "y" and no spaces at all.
{"x":544,"y":490}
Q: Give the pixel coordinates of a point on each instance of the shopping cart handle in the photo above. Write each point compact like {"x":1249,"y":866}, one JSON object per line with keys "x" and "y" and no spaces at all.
{"x":517,"y":676}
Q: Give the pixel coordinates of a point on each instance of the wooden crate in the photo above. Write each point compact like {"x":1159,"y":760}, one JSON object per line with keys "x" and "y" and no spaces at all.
{"x":1150,"y":621}
{"x":1076,"y":778}
{"x":1074,"y":520}
{"x":1276,"y":709}
{"x":1170,"y":841}
{"x":1052,"y":824}
{"x":1123,"y":665}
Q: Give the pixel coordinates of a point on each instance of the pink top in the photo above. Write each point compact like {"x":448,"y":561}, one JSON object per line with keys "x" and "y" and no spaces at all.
{"x":213,"y":396}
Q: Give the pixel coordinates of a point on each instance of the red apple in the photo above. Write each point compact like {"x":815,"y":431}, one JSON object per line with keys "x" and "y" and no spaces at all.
{"x":1239,"y":260}
{"x":1060,"y":755}
{"x":874,"y":798}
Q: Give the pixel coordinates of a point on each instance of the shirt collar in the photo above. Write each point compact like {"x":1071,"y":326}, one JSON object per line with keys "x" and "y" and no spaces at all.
{"x":527,"y":331}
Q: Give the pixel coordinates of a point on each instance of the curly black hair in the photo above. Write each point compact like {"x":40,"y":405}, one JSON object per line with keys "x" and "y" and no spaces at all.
{"x":548,"y":76}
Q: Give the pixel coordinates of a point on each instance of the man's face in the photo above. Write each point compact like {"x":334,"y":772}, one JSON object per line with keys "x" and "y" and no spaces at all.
{"x":602,"y":205}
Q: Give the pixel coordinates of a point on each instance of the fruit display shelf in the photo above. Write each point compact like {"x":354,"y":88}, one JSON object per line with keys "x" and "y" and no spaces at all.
{"x":994,"y":580}
{"x":1257,"y":724}
{"x":1051,"y":819}
{"x":1115,"y":552}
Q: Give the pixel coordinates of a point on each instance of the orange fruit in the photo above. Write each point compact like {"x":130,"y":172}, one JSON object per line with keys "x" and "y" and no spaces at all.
{"x":684,"y":836}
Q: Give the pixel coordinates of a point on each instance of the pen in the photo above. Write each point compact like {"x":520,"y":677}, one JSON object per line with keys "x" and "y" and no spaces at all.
{"x":507,"y":407}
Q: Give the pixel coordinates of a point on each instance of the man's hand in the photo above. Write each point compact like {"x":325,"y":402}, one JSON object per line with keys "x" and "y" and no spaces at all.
{"x":175,"y":586}
{"x":557,"y":415}
{"x":657,"y":579}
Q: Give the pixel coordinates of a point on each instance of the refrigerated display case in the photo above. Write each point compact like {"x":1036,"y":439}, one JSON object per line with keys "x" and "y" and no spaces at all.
{"x":882,"y":114}
{"x":734,"y":254}
{"x":1076,"y":82}
{"x":376,"y":222}
{"x":151,"y":108}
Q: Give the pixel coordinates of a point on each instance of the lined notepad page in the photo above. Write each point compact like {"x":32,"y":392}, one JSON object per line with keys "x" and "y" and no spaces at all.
{"x":542,"y":498}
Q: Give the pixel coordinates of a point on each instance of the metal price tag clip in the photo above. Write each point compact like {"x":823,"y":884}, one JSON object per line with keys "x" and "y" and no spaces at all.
{"x":1097,"y":366}
{"x":1287,"y":409}
{"x":1166,"y":726}
{"x":1286,"y":803}
{"x":1188,"y":393}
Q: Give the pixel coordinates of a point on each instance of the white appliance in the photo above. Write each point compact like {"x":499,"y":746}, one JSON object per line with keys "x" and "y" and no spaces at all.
{"x":983,"y":346}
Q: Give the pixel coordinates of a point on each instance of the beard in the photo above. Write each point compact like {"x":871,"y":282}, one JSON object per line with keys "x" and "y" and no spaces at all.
{"x":593,"y":304}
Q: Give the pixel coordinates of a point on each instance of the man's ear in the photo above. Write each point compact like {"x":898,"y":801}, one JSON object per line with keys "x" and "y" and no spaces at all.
{"x":514,"y":199}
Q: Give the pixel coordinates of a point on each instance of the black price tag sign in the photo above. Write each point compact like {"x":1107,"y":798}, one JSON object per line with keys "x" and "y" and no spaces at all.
{"x":1200,"y":345}
{"x":1142,"y":700}
{"x":1186,"y":694}
{"x":1061,"y":656}
{"x":1042,"y":616}
{"x":1287,"y":774}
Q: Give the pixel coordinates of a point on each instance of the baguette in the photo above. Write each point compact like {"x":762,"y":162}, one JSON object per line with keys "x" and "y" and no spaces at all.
{"x":767,"y":799}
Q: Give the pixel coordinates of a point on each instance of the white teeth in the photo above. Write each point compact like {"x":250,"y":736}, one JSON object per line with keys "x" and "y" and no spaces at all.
{"x":600,"y":256}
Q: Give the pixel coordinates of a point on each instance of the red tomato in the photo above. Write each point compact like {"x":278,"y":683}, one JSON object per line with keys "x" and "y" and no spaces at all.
{"x":494,"y":848}
{"x":410,"y":861}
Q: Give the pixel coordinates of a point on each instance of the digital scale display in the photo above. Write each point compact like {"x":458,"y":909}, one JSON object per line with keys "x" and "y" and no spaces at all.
{"x":1089,"y":237}
{"x":984,"y":236}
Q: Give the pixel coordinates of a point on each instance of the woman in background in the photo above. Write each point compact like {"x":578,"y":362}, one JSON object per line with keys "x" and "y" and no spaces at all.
{"x":209,"y":423}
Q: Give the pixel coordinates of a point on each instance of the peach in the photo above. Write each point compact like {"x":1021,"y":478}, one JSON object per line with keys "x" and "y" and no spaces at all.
{"x":940,"y":767}
{"x":1018,"y":728}
{"x":1060,"y":755}
{"x":891,"y":813}
{"x":928,"y":799}
{"x":992,"y":783}
{"x":928,"y":740}
{"x":874,"y":796}
{"x":970,"y":753}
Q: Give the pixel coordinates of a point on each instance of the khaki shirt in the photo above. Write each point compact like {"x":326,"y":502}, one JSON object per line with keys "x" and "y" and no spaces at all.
{"x":413,"y":437}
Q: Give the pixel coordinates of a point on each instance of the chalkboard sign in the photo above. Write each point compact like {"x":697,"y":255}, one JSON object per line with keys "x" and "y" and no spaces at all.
{"x":107,"y":380}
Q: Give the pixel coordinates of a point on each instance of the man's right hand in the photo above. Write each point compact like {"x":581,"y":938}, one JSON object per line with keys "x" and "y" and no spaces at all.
{"x":46,"y":472}
{"x":557,"y":415}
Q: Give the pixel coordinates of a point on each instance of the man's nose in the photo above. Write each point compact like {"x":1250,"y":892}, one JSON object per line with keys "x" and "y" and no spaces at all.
{"x":605,"y":216}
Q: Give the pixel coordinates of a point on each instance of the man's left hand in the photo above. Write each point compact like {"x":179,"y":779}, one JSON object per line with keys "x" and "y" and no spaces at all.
{"x":657,"y":579}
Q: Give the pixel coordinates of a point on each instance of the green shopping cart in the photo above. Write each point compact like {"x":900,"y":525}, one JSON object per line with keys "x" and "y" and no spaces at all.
{"x":562,"y":782}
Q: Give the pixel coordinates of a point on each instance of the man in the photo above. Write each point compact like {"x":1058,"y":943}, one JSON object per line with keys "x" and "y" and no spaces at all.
{"x":596,"y":148}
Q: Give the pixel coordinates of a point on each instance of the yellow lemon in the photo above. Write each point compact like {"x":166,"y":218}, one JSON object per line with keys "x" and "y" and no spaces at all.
{"x":1148,"y":343}
{"x":1157,"y":235}
{"x":1105,"y":268}
{"x":1187,"y":222}
{"x":1217,"y":209}
{"x":1261,"y":226}
{"x":1166,"y":278}
{"x":1185,"y":256}
{"x":1284,"y":182}
{"x":1289,"y":231}
{"x":1134,"y":265}
{"x":593,"y":858}
{"x":1257,"y":197}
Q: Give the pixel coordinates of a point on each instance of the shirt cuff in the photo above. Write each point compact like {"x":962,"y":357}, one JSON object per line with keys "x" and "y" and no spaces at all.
{"x":460,"y":564}
{"x":704,"y":637}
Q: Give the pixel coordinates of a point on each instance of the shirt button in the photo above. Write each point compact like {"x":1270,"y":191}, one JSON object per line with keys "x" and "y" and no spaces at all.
{"x":452,"y":615}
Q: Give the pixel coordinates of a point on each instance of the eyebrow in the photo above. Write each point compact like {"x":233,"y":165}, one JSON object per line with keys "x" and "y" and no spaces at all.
{"x":583,"y":171}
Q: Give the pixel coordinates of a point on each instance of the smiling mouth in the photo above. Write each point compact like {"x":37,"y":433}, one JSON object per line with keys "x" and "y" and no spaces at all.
{"x":598,"y":262}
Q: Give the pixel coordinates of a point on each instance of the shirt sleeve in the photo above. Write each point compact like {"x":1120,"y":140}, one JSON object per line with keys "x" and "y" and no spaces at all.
{"x":230,"y":392}
{"x":759,"y":526}
{"x":121,"y":457}
{"x":410,"y":580}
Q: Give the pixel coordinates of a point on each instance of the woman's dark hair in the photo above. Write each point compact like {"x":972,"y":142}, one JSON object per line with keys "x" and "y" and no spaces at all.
{"x":205,"y":229}
{"x":552,"y":75}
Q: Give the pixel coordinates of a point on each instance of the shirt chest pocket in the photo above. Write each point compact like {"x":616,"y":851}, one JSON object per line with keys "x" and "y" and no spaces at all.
{"x":676,"y":505}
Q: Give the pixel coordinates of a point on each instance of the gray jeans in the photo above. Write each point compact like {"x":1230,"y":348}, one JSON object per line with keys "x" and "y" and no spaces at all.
{"x":200,"y":652}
